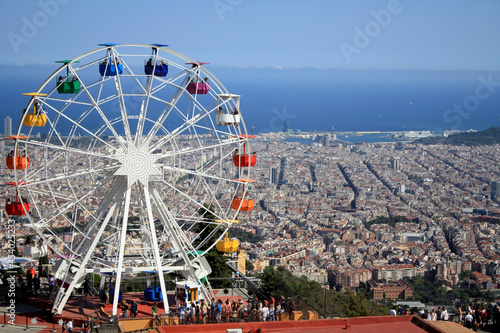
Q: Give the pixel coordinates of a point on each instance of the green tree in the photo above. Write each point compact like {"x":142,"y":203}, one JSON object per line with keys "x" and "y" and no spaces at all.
{"x":354,"y":305}
{"x":311,"y":295}
{"x":248,"y":265}
{"x":217,"y":262}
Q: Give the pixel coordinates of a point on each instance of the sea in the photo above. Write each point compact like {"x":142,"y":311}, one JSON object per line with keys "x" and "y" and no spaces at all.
{"x":315,"y":99}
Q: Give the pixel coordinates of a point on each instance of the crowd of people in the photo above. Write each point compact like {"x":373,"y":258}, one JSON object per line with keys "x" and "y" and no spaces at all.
{"x":234,"y":311}
{"x":471,"y":316}
{"x":29,"y":286}
{"x":476,"y":316}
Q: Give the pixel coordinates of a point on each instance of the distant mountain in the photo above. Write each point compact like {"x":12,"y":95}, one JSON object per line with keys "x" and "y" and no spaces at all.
{"x":489,"y":136}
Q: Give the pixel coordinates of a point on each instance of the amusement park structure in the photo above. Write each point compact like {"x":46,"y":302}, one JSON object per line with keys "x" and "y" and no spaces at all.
{"x":118,"y":158}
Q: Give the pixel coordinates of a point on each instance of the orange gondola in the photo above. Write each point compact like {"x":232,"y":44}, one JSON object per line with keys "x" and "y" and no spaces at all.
{"x":14,"y":160}
{"x":244,"y":204}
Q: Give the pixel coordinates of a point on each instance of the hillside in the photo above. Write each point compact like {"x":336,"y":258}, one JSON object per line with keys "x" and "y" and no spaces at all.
{"x":489,"y":136}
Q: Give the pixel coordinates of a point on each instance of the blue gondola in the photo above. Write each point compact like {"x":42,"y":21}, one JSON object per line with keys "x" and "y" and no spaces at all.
{"x":107,"y":69}
{"x":159,"y":69}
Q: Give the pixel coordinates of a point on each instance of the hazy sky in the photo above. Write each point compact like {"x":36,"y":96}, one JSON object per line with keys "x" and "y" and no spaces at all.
{"x":418,"y":34}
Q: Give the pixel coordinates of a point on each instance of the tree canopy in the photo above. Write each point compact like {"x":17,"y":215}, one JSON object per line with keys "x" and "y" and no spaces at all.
{"x":310,"y":295}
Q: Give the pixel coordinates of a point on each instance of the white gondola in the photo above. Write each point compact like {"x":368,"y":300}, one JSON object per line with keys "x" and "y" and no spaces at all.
{"x":228,"y":110}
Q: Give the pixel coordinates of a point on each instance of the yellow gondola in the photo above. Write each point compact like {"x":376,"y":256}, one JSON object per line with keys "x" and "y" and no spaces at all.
{"x":227,"y":244}
{"x":38,"y":117}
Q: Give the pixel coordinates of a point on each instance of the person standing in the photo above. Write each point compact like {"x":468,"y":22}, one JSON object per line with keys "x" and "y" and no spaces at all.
{"x":188,"y":313}
{"x":272,"y":316}
{"x":125,"y":308}
{"x":265,"y":312}
{"x":69,"y":326}
{"x":204,"y":311}
{"x":36,"y":285}
{"x":218,"y":311}
{"x":182,"y":313}
{"x":52,"y":282}
{"x":444,"y":314}
{"x":468,"y":320}
{"x":134,"y":308}
{"x":241,"y":311}
{"x":433,"y":315}
{"x":106,"y":293}
{"x":213,"y":305}
{"x":401,"y":311}
{"x":438,"y":313}
{"x":154,"y":308}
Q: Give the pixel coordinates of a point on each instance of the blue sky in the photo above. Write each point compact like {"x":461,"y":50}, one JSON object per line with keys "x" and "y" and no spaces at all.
{"x":404,"y":34}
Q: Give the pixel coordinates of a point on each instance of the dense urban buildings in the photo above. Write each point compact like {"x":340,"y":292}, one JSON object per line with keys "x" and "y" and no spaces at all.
{"x":315,"y":204}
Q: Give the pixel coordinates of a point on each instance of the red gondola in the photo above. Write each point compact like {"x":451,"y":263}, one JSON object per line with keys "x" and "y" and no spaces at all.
{"x":244,"y":160}
{"x":18,"y":207}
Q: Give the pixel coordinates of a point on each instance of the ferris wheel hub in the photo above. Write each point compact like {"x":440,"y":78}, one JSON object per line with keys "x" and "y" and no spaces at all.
{"x":137,"y":164}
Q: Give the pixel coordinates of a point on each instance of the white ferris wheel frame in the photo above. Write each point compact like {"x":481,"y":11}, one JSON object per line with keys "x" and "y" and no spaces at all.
{"x":132,"y":165}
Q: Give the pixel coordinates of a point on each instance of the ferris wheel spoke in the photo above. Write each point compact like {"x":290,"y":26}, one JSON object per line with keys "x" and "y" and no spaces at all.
{"x":66,"y":176}
{"x":103,"y":117}
{"x":184,"y":151}
{"x":145,"y":101}
{"x":165,"y":113}
{"x":179,"y":240}
{"x":62,"y":148}
{"x":199,"y":174}
{"x":190,"y":199}
{"x":121,"y":101}
{"x":62,"y":196}
{"x":181,"y":129}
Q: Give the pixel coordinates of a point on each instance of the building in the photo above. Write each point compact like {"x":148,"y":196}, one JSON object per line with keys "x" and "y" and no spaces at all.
{"x":394,"y":290}
{"x":274,"y":176}
{"x":350,"y":278}
{"x":286,"y":125}
{"x":393,"y":272}
{"x":495,"y":189}
{"x":395,"y":165}
{"x":7,"y":126}
{"x":326,"y":140}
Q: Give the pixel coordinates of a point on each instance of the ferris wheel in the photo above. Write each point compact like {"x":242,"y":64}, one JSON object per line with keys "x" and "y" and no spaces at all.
{"x":139,"y":161}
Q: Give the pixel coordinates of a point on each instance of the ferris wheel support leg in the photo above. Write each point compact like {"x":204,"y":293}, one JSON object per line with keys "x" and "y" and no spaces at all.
{"x":119,"y":267}
{"x":61,"y":302}
{"x":156,"y":251}
{"x":178,"y":237}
